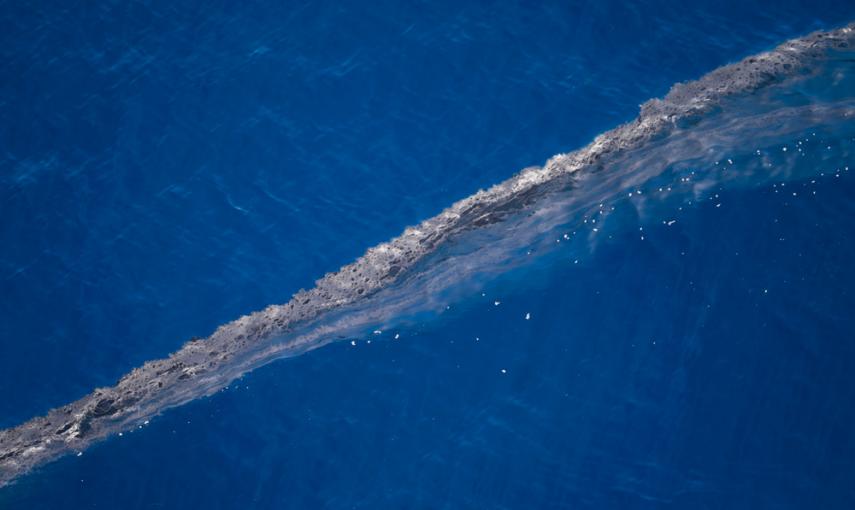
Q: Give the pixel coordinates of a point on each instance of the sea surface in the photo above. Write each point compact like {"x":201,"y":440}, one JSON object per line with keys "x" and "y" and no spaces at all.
{"x":167,"y":167}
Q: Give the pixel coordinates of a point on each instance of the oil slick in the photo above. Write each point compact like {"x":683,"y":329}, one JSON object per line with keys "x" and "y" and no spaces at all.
{"x":697,"y":124}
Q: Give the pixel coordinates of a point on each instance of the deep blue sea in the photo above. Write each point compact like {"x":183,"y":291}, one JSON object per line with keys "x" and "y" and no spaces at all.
{"x":166,"y":167}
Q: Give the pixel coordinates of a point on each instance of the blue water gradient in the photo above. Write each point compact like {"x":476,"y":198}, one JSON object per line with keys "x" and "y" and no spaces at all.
{"x":168,"y":168}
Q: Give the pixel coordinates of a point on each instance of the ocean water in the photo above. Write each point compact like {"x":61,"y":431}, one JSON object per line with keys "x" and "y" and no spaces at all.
{"x":168,"y":168}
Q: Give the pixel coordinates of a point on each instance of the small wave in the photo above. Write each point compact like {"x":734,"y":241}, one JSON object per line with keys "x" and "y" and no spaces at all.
{"x":729,"y":114}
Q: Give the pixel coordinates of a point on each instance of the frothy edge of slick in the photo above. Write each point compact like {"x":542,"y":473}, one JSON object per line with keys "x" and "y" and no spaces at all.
{"x":174,"y":380}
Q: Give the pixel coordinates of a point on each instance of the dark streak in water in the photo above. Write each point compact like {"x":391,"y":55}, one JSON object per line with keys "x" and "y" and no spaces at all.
{"x":325,"y":312}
